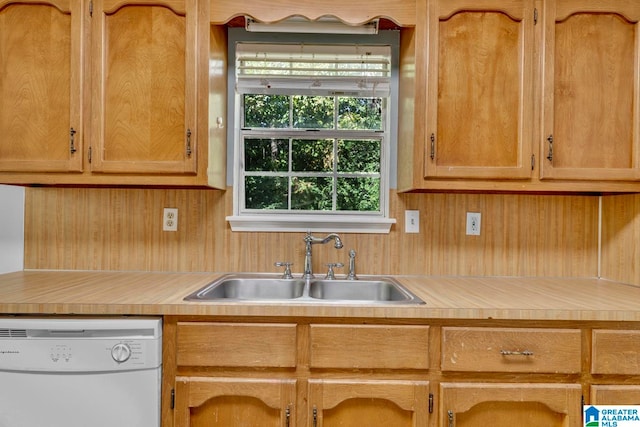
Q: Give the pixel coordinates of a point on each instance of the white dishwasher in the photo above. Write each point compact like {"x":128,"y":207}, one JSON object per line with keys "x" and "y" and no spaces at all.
{"x":80,"y":372}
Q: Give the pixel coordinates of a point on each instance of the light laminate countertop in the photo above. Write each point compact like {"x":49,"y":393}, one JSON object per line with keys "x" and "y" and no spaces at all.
{"x":446,"y":297}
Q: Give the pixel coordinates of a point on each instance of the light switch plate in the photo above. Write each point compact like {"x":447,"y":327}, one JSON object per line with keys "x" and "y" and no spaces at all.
{"x":411,"y":221}
{"x":473,"y":223}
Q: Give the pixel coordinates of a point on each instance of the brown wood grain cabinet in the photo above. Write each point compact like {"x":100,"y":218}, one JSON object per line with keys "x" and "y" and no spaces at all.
{"x":41,"y":86}
{"x":206,"y":397}
{"x":591,"y":90}
{"x":479,"y":112}
{"x":521,"y":96}
{"x":615,"y":357}
{"x":528,"y":350}
{"x":615,"y":394}
{"x":615,"y":352}
{"x":223,"y":402}
{"x":374,"y":403}
{"x":376,"y":400}
{"x":144,"y":87}
{"x":336,"y":372}
{"x":510,"y":404}
{"x":416,"y":373}
{"x":285,"y":374}
{"x":511,"y":350}
{"x":111,"y":92}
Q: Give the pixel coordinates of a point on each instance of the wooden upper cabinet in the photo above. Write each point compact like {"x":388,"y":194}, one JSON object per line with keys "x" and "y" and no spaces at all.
{"x":479,"y":89}
{"x":144,"y":86}
{"x":41,"y":85}
{"x":591,"y":94}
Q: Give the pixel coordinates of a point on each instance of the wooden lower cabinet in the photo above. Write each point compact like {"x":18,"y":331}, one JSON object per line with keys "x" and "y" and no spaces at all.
{"x":300,"y":372}
{"x":235,"y":374}
{"x":373,"y":403}
{"x":615,"y":358}
{"x":615,"y":395}
{"x":512,"y":404}
{"x":225,"y":402}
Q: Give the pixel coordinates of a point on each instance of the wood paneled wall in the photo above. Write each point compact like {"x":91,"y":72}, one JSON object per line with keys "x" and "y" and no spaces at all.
{"x":621,"y":238}
{"x":120,"y":229}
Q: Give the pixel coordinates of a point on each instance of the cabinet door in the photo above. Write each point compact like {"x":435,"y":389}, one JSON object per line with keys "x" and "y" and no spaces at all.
{"x":225,"y":402}
{"x":591,"y":90}
{"x":508,"y":405}
{"x":41,"y":85}
{"x":480,"y":106}
{"x":374,"y":403}
{"x":144,"y":86}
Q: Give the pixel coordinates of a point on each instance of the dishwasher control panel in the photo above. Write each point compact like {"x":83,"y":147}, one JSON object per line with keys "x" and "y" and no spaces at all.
{"x":81,"y":347}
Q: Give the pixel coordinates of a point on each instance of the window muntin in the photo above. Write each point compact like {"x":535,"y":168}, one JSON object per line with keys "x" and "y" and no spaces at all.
{"x":348,"y":126}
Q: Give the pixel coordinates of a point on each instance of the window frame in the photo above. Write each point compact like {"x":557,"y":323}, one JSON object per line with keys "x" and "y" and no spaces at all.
{"x":321,"y":221}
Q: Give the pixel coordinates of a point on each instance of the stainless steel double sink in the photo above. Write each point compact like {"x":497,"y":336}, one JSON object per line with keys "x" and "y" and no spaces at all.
{"x":265,"y":287}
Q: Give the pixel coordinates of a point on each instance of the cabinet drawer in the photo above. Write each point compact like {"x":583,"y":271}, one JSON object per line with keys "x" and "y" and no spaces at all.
{"x":615,"y":395}
{"x":615,"y":352}
{"x":511,"y":350}
{"x":236,"y":344}
{"x":369,"y":347}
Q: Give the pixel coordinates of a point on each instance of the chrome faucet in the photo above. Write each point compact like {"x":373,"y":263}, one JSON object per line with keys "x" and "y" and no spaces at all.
{"x":309,"y":241}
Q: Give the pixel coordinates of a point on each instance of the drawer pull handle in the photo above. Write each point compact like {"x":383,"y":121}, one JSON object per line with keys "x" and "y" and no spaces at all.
{"x":516,"y":353}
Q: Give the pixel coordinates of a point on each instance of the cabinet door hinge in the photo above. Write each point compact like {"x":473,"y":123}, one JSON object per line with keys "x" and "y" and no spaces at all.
{"x":431,"y":403}
{"x":535,"y":16}
{"x":173,"y":398}
{"x":91,"y":8}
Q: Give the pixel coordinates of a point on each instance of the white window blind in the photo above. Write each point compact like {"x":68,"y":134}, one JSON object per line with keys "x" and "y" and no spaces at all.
{"x":303,"y":69}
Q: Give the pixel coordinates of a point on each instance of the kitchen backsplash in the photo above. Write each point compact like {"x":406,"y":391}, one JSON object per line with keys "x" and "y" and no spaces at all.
{"x":521,"y":235}
{"x":621,"y":238}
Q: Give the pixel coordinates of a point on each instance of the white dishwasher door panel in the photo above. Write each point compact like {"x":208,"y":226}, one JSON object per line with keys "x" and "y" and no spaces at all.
{"x":120,"y":399}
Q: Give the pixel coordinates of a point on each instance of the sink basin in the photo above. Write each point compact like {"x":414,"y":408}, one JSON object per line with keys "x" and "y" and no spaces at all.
{"x":383,"y":290}
{"x":263,"y":287}
{"x":249,"y":288}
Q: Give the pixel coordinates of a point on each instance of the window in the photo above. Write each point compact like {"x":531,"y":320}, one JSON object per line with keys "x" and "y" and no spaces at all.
{"x":312,"y":138}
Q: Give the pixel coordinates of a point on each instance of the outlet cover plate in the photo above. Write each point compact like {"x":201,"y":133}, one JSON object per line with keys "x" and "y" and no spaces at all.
{"x":170,"y":219}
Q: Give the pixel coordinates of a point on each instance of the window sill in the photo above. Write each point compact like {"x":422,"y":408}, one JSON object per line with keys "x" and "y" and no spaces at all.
{"x":304,"y":223}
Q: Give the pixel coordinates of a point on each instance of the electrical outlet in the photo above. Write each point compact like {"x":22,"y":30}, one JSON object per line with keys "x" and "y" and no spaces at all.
{"x":411,"y":221}
{"x":170,"y":219}
{"x":473,"y":223}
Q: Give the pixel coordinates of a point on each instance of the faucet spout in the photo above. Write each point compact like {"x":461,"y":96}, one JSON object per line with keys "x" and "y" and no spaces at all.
{"x":309,"y":241}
